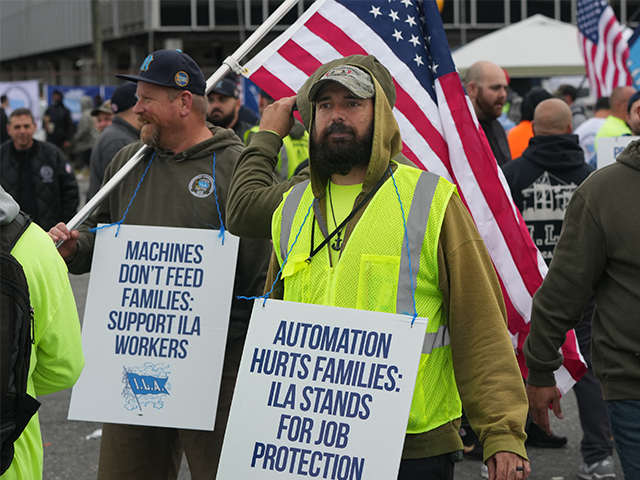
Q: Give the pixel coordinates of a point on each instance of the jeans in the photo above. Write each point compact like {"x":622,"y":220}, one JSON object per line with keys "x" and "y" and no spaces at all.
{"x":596,"y":439}
{"x":624,"y":416}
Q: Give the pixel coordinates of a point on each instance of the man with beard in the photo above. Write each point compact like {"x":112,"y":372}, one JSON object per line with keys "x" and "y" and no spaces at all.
{"x":224,"y":107}
{"x":487,"y":87}
{"x":177,"y":190}
{"x":357,"y":200}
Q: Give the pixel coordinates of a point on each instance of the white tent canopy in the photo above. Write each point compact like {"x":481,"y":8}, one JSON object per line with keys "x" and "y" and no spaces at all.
{"x":538,"y":46}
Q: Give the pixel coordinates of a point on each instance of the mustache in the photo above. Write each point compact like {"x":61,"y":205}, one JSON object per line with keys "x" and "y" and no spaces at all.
{"x":338,"y":127}
{"x":216,"y":110}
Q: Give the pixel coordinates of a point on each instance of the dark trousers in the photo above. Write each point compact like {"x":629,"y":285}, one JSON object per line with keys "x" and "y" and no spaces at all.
{"x":596,"y":442}
{"x":435,"y":468}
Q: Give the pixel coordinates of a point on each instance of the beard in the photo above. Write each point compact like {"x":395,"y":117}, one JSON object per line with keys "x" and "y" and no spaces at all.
{"x":221,"y":120}
{"x":151,"y":133}
{"x":491,"y":111}
{"x":339,"y":156}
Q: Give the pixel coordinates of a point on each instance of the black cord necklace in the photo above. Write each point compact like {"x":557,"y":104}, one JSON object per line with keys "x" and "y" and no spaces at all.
{"x":337,"y":244}
{"x":313,"y":251}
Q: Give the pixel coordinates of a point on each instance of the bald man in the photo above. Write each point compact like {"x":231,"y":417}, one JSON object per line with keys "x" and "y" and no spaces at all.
{"x":553,"y":161}
{"x":615,"y":124}
{"x":542,"y":181}
{"x":486,"y":85}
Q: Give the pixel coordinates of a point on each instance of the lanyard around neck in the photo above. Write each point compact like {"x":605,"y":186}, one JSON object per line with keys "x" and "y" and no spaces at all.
{"x":313,"y":251}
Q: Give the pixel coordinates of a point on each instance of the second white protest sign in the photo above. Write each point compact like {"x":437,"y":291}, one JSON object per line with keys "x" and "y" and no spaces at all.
{"x":322,"y":392}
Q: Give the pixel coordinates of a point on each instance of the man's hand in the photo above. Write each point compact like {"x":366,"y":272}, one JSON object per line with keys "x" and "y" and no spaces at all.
{"x":539,"y":400}
{"x":278,"y":116}
{"x":508,"y":466}
{"x":70,"y":246}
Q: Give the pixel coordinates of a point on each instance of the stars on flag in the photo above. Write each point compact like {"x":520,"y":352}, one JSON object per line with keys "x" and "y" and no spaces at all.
{"x":399,"y":34}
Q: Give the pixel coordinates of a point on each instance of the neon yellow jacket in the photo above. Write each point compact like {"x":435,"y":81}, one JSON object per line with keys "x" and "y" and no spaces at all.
{"x":56,"y":355}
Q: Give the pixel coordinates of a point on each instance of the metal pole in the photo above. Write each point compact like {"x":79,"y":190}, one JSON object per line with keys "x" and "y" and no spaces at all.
{"x":231,"y":62}
{"x":228,"y":64}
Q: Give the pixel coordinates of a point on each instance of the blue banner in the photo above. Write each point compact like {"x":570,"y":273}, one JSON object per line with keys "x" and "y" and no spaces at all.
{"x":147,"y":384}
{"x":250,"y":92}
{"x":633,"y":62}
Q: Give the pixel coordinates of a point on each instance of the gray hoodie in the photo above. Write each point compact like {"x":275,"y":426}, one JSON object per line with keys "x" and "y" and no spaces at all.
{"x":8,"y":208}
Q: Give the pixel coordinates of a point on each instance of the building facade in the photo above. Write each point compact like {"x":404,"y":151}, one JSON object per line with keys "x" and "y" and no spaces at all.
{"x":86,"y":42}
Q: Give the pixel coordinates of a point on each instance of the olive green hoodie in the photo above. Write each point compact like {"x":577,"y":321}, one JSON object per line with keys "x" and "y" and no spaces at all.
{"x":164,"y":198}
{"x":596,"y":254}
{"x":486,"y":371}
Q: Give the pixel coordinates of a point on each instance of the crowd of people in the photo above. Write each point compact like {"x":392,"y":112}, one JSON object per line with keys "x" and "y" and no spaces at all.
{"x":344,"y":159}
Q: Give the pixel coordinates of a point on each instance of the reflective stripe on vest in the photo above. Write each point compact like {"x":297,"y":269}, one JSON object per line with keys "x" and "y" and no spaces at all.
{"x":288,"y":212}
{"x":416,"y":228}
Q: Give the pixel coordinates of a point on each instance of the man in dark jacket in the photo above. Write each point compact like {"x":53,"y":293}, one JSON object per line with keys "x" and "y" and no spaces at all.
{"x":58,"y":123}
{"x":37,"y":174}
{"x":487,"y":87}
{"x":544,"y":178}
{"x":542,"y":181}
{"x":224,"y":107}
{"x":124,"y":129}
{"x":4,"y":120}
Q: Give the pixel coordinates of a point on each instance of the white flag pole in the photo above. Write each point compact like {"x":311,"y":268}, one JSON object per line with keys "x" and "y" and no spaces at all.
{"x":230,"y":63}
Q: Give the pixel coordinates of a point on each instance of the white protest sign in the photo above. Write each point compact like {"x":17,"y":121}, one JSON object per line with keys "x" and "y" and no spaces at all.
{"x":322,"y":392}
{"x":610,"y":147}
{"x":155,"y":327}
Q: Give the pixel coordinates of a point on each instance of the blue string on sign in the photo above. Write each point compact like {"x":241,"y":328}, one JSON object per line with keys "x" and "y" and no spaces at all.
{"x":215,"y":194}
{"x":266,"y":295}
{"x":95,"y":229}
{"x":406,"y":236}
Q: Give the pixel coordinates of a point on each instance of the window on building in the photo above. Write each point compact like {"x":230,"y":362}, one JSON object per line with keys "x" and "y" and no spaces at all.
{"x":202,"y":13}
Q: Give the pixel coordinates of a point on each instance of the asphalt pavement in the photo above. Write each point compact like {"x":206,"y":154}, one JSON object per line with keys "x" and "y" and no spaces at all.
{"x":71,"y":448}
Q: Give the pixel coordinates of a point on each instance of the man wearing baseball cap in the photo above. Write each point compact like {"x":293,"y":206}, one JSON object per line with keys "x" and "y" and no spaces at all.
{"x":224,"y":107}
{"x":103,"y":116}
{"x":367,"y":205}
{"x":124,"y":130}
{"x":177,"y":191}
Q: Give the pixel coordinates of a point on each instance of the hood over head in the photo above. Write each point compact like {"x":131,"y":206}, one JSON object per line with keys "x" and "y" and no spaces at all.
{"x":555,"y":153}
{"x":386,"y":133}
{"x":86,"y":103}
{"x":8,"y":208}
{"x":630,"y":156}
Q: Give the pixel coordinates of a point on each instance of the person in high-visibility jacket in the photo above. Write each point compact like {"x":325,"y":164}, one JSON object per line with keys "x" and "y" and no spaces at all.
{"x":357,"y":202}
{"x":294,"y":154}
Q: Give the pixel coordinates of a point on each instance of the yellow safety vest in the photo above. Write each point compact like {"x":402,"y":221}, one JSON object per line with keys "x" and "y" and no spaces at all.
{"x":376,"y":271}
{"x":295,"y":151}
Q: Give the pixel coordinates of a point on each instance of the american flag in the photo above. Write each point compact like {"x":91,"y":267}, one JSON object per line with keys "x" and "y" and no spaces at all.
{"x":439,"y":128}
{"x":604,"y":47}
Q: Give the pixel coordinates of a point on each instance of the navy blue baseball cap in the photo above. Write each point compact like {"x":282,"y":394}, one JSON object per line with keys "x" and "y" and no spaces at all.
{"x":226,"y":87}
{"x":170,"y":68}
{"x":632,"y":99}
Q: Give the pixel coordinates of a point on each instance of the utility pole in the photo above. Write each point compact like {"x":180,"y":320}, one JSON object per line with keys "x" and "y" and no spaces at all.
{"x":97,"y":39}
